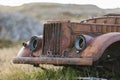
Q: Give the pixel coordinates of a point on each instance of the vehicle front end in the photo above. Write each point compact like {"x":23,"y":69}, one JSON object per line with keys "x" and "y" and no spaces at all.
{"x":59,"y":45}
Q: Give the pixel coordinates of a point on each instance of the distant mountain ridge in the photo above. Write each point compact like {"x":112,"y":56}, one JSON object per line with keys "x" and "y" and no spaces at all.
{"x":55,"y":11}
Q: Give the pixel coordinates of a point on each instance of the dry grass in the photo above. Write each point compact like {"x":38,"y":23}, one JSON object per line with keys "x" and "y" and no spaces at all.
{"x":7,"y":68}
{"x":10,"y":71}
{"x":6,"y":55}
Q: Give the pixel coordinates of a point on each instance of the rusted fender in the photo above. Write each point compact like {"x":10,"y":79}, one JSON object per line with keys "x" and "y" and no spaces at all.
{"x":25,"y":50}
{"x":97,"y":46}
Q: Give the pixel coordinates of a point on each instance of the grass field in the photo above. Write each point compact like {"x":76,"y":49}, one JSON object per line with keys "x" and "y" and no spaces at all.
{"x":10,"y":71}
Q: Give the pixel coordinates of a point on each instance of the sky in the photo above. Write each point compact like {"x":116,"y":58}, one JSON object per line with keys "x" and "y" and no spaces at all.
{"x":100,"y":3}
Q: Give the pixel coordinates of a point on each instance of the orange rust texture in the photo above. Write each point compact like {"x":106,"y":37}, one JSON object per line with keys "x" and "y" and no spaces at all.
{"x":95,"y":28}
{"x":57,"y":61}
{"x":99,"y":44}
{"x":105,"y":30}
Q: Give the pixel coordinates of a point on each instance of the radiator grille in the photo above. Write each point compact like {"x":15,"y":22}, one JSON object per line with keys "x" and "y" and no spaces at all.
{"x":52,"y":39}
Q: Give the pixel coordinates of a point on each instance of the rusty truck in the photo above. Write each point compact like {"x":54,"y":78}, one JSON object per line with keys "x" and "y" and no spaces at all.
{"x":94,"y":41}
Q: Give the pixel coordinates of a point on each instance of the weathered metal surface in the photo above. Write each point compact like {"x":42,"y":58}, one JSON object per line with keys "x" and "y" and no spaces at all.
{"x":52,"y":39}
{"x":51,"y":60}
{"x":112,"y":15}
{"x":100,"y":44}
{"x":59,"y":41}
{"x":25,"y":51}
{"x":95,"y":28}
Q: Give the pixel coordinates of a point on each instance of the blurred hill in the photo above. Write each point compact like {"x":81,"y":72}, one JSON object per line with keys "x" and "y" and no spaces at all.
{"x":16,"y":26}
{"x":16,"y":23}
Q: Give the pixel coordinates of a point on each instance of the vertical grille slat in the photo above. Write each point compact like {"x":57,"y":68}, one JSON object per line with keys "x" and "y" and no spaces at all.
{"x":52,"y":40}
{"x":57,"y":41}
{"x":55,"y":47}
{"x":59,"y":38}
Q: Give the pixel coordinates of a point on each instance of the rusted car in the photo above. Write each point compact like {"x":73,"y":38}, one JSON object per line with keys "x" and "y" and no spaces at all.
{"x":90,"y":42}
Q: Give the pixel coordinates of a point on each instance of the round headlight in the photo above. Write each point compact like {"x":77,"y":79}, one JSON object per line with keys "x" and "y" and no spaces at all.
{"x":34,"y":43}
{"x":80,"y":43}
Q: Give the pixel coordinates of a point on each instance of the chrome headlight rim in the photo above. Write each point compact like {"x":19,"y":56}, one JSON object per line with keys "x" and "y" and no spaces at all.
{"x":80,"y":43}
